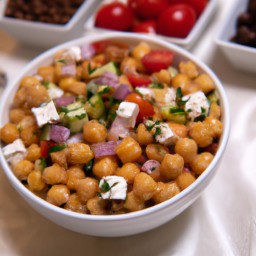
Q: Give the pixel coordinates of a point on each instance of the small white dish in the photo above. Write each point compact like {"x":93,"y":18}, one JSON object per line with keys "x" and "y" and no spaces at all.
{"x":130,"y":223}
{"x":45,"y":35}
{"x":187,"y":42}
{"x":240,"y":56}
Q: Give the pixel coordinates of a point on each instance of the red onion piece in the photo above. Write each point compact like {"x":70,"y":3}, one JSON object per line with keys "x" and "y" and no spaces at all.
{"x":150,"y":166}
{"x":104,"y":148}
{"x":75,"y":138}
{"x":68,"y":69}
{"x":59,"y":133}
{"x":119,"y":129}
{"x":87,"y":51}
{"x":109,"y":79}
{"x":122,"y":91}
{"x":63,"y":101}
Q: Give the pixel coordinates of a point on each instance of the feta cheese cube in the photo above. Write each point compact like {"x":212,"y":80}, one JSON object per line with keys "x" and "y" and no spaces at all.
{"x":46,"y":114}
{"x":128,"y":111}
{"x":16,"y":148}
{"x":196,"y":104}
{"x":113,"y":187}
{"x":163,"y":134}
{"x":170,"y":97}
{"x":73,"y":53}
{"x":55,"y":92}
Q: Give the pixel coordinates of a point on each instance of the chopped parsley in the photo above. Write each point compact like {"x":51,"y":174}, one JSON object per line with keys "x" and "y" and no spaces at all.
{"x":90,"y":69}
{"x":156,"y":86}
{"x":179,"y":96}
{"x":158,"y":131}
{"x":62,"y":61}
{"x":56,"y":148}
{"x":88,"y":168}
{"x":202,"y":116}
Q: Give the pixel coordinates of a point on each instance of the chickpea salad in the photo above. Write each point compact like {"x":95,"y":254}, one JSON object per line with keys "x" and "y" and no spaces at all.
{"x":109,"y":128}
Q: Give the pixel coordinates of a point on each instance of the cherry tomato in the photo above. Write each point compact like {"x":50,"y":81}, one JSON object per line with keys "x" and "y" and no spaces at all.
{"x":116,"y":16}
{"x":138,"y":80}
{"x":148,"y":26}
{"x":146,"y":109}
{"x":148,"y":9}
{"x":157,"y":60}
{"x":45,"y":145}
{"x":176,"y":21}
{"x":197,"y":5}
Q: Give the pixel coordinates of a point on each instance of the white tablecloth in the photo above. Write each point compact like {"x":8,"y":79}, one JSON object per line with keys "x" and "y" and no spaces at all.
{"x":221,"y":222}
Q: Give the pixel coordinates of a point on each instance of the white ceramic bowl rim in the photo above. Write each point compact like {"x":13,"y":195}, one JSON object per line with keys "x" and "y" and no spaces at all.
{"x":176,"y":199}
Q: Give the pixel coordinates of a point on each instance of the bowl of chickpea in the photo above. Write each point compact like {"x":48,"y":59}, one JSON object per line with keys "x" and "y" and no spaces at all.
{"x":113,"y":135}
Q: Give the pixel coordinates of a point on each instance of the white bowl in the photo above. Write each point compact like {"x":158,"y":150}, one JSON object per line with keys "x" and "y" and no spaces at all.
{"x":240,"y":56}
{"x":130,"y":223}
{"x":47,"y":35}
{"x":187,"y":42}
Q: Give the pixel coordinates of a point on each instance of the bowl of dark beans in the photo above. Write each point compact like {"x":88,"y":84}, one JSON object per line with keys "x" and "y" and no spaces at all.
{"x":237,"y":37}
{"x":43,"y":23}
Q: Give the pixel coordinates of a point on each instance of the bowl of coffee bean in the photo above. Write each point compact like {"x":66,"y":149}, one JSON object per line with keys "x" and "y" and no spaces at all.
{"x":237,"y":37}
{"x":43,"y":23}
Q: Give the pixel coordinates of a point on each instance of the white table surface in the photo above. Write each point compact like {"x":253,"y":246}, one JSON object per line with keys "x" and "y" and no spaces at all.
{"x":221,"y":222}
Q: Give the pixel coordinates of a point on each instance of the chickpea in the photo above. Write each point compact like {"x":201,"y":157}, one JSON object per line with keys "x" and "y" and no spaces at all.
{"x":157,"y":176}
{"x":60,"y":157}
{"x":105,"y":166}
{"x":55,"y":174}
{"x":165,"y":191}
{"x":215,"y":111}
{"x":22,"y":169}
{"x":214,"y":125}
{"x":47,"y":73}
{"x":201,"y":162}
{"x":171,"y":166}
{"x":16,"y":115}
{"x":205,"y":83}
{"x":115,"y":53}
{"x":184,"y":180}
{"x":27,"y":121}
{"x":36,"y":95}
{"x":189,"y":68}
{"x":160,"y":95}
{"x":87,"y":188}
{"x":29,"y":136}
{"x":75,"y":204}
{"x":133,"y":202}
{"x":179,"y":129}
{"x":163,"y":76}
{"x":19,"y":98}
{"x":35,"y":181}
{"x":156,"y":152}
{"x":79,"y":153}
{"x":58,"y":195}
{"x":96,"y":206}
{"x":128,"y":171}
{"x":66,"y":83}
{"x":201,"y":134}
{"x":182,"y":81}
{"x":144,"y":186}
{"x":187,"y":148}
{"x":33,"y":152}
{"x":144,"y":137}
{"x":9,"y":133}
{"x":74,"y":173}
{"x":94,"y":132}
{"x":124,"y":80}
{"x":129,"y":65}
{"x":85,"y":67}
{"x":128,"y":150}
{"x":141,"y":50}
{"x":28,"y":81}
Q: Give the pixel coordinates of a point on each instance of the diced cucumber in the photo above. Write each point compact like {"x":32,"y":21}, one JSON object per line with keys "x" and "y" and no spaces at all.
{"x":76,"y":119}
{"x":174,"y":114}
{"x":95,"y":107}
{"x":45,"y":132}
{"x":109,"y":67}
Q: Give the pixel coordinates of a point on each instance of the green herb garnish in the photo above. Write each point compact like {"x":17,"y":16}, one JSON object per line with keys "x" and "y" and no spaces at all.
{"x":158,"y":131}
{"x":156,"y":86}
{"x":90,"y":69}
{"x":62,"y":61}
{"x":56,"y":148}
{"x":88,"y":168}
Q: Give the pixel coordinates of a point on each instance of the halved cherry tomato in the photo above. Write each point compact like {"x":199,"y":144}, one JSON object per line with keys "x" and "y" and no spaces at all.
{"x":116,"y":16}
{"x":146,"y":109}
{"x":176,"y":21}
{"x":148,"y":9}
{"x":148,"y":26}
{"x":138,"y":80}
{"x":45,"y":145}
{"x":157,"y":60}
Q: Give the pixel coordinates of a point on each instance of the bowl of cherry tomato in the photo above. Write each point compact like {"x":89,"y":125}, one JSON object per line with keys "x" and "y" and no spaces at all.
{"x":177,"y":21}
{"x":113,"y":135}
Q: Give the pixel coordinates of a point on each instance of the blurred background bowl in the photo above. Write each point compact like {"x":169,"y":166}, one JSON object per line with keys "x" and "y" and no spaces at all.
{"x":130,"y":223}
